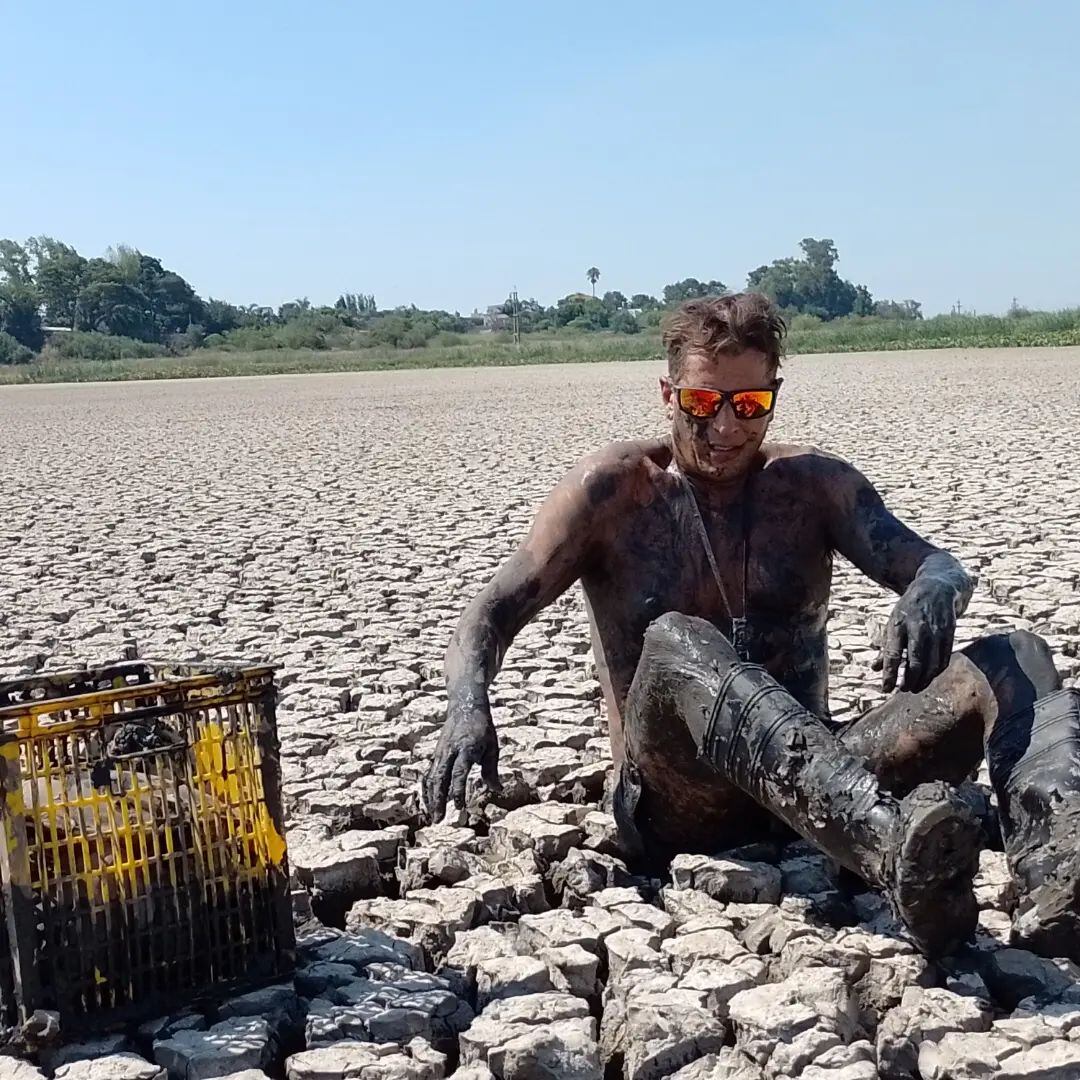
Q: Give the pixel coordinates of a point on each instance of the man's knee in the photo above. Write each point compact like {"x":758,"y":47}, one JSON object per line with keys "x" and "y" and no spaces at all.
{"x":1033,"y":652}
{"x":686,"y":639}
{"x":1018,"y":665}
{"x":683,"y":661}
{"x":1018,"y":652}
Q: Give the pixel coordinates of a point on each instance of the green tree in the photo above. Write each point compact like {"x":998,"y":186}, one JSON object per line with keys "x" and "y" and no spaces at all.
{"x":88,"y":308}
{"x":778,"y":282}
{"x":173,"y":305}
{"x":293,"y":309}
{"x":864,"y":302}
{"x":132,"y":294}
{"x":614,"y":301}
{"x":622,"y":322}
{"x":358,"y":304}
{"x":582,"y":312}
{"x":116,"y":307}
{"x":221,"y":316}
{"x":594,"y":276}
{"x":824,"y":292}
{"x":644,"y":302}
{"x":14,"y":262}
{"x":820,"y":254}
{"x":127,"y":260}
{"x":810,"y":285}
{"x":692,"y":289}
{"x":59,"y":273}
{"x":20,"y":314}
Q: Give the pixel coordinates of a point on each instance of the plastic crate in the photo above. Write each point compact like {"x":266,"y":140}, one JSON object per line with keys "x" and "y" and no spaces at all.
{"x":143,"y":861}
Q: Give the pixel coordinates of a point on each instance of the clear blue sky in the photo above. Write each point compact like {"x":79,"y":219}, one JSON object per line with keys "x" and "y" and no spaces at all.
{"x":439,"y":153}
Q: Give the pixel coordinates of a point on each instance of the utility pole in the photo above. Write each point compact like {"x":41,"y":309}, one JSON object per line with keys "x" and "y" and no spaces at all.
{"x":515,"y":317}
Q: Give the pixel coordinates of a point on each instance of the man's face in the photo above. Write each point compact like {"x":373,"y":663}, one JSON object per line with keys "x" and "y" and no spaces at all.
{"x":722,"y":447}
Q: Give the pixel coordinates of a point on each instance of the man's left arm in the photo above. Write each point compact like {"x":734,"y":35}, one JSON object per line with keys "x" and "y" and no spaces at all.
{"x":934,"y":588}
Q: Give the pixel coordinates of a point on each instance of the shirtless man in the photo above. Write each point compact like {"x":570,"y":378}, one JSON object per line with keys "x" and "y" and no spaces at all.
{"x":706,"y":563}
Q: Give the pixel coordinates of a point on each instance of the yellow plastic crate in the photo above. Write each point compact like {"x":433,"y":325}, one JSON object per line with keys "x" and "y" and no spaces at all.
{"x":143,"y":861}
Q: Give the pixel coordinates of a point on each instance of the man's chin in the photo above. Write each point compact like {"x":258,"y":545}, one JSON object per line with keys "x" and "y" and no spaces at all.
{"x":722,"y":466}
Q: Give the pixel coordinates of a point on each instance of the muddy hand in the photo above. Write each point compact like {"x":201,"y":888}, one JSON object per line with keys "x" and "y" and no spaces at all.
{"x":468,"y":738}
{"x":920,"y":632}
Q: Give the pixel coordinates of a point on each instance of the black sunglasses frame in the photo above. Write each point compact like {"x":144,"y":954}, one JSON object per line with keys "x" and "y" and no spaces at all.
{"x":726,"y":397}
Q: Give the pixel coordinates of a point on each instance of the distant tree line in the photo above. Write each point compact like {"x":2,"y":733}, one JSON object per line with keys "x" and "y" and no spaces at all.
{"x":806,"y":286}
{"x":127,"y":303}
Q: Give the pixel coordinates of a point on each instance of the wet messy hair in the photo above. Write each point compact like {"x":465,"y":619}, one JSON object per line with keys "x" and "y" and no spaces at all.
{"x":724,"y":326}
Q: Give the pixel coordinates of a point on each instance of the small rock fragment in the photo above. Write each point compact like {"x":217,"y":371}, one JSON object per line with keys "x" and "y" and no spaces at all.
{"x":510,"y":976}
{"x":123,"y":1066}
{"x":728,"y":880}
{"x":232,"y":1045}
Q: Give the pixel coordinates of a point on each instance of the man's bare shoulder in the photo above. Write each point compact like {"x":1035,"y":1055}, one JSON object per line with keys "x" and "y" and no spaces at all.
{"x":806,"y":463}
{"x":630,"y":454}
{"x":622,"y":468}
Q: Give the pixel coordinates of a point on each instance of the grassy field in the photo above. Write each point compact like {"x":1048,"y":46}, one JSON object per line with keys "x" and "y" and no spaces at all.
{"x":1040,"y":328}
{"x":204,"y":363}
{"x":806,"y":336}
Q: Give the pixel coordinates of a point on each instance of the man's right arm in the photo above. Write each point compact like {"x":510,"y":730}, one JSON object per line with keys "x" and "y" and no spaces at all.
{"x":564,"y":534}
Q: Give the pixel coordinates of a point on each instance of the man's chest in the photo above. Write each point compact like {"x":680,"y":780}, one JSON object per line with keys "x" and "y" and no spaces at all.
{"x":780,"y":623}
{"x":774,"y":565}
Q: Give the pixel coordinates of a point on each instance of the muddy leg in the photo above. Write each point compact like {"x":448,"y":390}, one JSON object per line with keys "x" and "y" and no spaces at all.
{"x":937,"y":734}
{"x":1019,"y":668}
{"x":940,"y":733}
{"x":741,"y":722}
{"x":1035,"y":769}
{"x":1002,"y":692}
{"x":669,"y":799}
{"x":1033,"y":754}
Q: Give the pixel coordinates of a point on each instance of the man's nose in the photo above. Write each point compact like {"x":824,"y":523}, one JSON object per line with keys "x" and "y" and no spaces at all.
{"x":726,"y":420}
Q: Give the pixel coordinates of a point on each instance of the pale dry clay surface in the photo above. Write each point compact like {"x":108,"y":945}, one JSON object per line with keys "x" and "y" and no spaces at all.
{"x":336,"y":525}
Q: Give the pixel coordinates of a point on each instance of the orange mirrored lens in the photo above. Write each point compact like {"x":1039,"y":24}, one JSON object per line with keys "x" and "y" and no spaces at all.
{"x":700,"y":403}
{"x":752,"y":404}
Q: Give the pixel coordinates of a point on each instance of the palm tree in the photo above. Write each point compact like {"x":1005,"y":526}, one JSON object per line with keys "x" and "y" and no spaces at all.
{"x":594,"y":276}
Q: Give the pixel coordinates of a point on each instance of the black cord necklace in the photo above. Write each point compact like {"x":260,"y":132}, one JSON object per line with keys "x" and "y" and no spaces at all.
{"x":740,"y":634}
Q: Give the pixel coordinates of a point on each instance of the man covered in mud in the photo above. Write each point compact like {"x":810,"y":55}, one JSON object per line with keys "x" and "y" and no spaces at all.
{"x":706,"y":562}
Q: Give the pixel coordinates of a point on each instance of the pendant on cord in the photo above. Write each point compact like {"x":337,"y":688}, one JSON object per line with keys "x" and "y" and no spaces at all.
{"x":740,"y":638}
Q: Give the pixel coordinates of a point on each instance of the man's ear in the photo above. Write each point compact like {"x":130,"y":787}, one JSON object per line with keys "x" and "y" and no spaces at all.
{"x":667,"y":393}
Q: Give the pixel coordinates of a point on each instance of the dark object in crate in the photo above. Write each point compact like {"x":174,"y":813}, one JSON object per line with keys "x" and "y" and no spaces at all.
{"x":143,"y":861}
